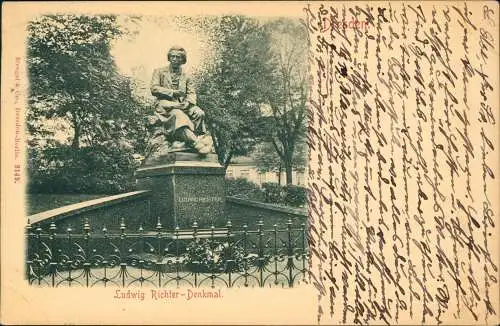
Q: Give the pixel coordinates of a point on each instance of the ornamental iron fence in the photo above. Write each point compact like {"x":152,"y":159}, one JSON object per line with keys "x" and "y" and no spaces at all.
{"x":195,"y":257}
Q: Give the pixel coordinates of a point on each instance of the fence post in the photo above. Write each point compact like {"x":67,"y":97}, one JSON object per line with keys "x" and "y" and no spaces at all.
{"x":212,"y":243}
{"x":86,"y":264}
{"x":29,"y":262}
{"x":230,"y":261}
{"x":177,"y":253}
{"x":105,"y":262}
{"x":70,"y":256}
{"x":261,"y":259}
{"x":275,"y":251}
{"x":245,"y":251}
{"x":197,"y":263}
{"x":141,"y":252}
{"x":159,"y":258}
{"x":53,"y":263}
{"x":290,"y":253}
{"x":141,"y":239}
{"x":123,"y":264}
{"x":37,"y":250}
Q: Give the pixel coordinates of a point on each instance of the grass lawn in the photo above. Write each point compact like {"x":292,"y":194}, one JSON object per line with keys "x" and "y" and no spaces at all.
{"x":37,"y":203}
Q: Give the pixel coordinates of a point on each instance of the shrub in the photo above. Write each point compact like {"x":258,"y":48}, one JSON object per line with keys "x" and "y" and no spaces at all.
{"x":211,"y":256}
{"x":63,"y":169}
{"x":243,"y":188}
{"x":295,"y":195}
{"x":273,"y":192}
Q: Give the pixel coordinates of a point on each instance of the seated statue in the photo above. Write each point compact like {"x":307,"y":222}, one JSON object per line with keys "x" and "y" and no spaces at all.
{"x":178,"y":124}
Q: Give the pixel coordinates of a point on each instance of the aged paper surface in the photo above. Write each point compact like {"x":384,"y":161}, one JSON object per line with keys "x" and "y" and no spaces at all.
{"x":404,"y":181}
{"x":403,"y":172}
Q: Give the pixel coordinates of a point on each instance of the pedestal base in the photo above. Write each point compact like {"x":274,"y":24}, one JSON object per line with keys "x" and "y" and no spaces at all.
{"x":185,"y":188}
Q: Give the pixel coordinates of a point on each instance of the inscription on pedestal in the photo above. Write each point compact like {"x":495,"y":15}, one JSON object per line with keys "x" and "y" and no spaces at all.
{"x":200,"y":199}
{"x":184,"y":192}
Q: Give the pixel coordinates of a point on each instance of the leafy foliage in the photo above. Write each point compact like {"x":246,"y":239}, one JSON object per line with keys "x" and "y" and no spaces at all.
{"x":295,"y":195}
{"x":268,"y":160}
{"x":273,"y":192}
{"x":209,"y":255}
{"x":103,"y":169}
{"x":242,"y":188}
{"x":233,"y":86}
{"x":289,"y":195}
{"x":76,"y":88}
{"x":74,"y":82}
{"x":73,"y":76}
{"x":286,"y":125}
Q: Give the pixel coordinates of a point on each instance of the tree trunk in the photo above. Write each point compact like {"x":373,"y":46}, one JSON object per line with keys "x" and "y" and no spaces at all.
{"x":279,"y":174}
{"x":289,"y":165}
{"x":76,"y":137}
{"x":289,"y":170}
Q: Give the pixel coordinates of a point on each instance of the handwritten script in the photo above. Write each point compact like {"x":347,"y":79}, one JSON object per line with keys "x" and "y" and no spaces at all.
{"x":403,"y":178}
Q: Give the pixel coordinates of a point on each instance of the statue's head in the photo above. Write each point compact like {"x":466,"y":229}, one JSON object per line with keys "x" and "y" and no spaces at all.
{"x":177,"y":53}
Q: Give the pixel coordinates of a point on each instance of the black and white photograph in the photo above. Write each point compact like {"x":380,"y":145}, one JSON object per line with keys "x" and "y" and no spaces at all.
{"x":250,"y":162}
{"x":178,"y":162}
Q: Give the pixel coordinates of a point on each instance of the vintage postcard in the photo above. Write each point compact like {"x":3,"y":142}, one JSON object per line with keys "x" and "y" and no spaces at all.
{"x":301,"y":163}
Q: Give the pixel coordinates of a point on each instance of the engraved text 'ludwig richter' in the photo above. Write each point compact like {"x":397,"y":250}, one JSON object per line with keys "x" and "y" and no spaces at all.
{"x":186,"y":188}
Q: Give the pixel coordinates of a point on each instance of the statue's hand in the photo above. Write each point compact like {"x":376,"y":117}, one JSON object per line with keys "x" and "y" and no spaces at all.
{"x":179,"y":106}
{"x":178,"y":94}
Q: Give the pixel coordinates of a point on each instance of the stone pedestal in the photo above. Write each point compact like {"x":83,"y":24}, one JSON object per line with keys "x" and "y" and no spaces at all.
{"x":185,"y":188}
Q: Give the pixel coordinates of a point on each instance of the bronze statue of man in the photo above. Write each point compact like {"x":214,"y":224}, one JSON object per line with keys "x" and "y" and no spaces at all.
{"x":177,"y":117}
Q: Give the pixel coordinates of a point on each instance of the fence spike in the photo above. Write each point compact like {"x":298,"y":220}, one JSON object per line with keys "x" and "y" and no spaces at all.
{"x":195,"y":229}
{"x":28,"y":226}
{"x":86,"y":225}
{"x":247,"y":243}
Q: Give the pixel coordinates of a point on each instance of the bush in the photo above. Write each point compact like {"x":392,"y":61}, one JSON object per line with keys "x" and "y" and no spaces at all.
{"x":295,"y":195}
{"x":96,"y":170}
{"x":273,"y":192}
{"x":211,"y":256}
{"x":242,"y":188}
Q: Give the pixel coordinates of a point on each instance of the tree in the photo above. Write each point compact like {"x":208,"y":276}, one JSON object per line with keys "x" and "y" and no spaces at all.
{"x":233,"y":85}
{"x":74,"y":82}
{"x":286,"y":126}
{"x":267,"y":159}
{"x":74,"y":77}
